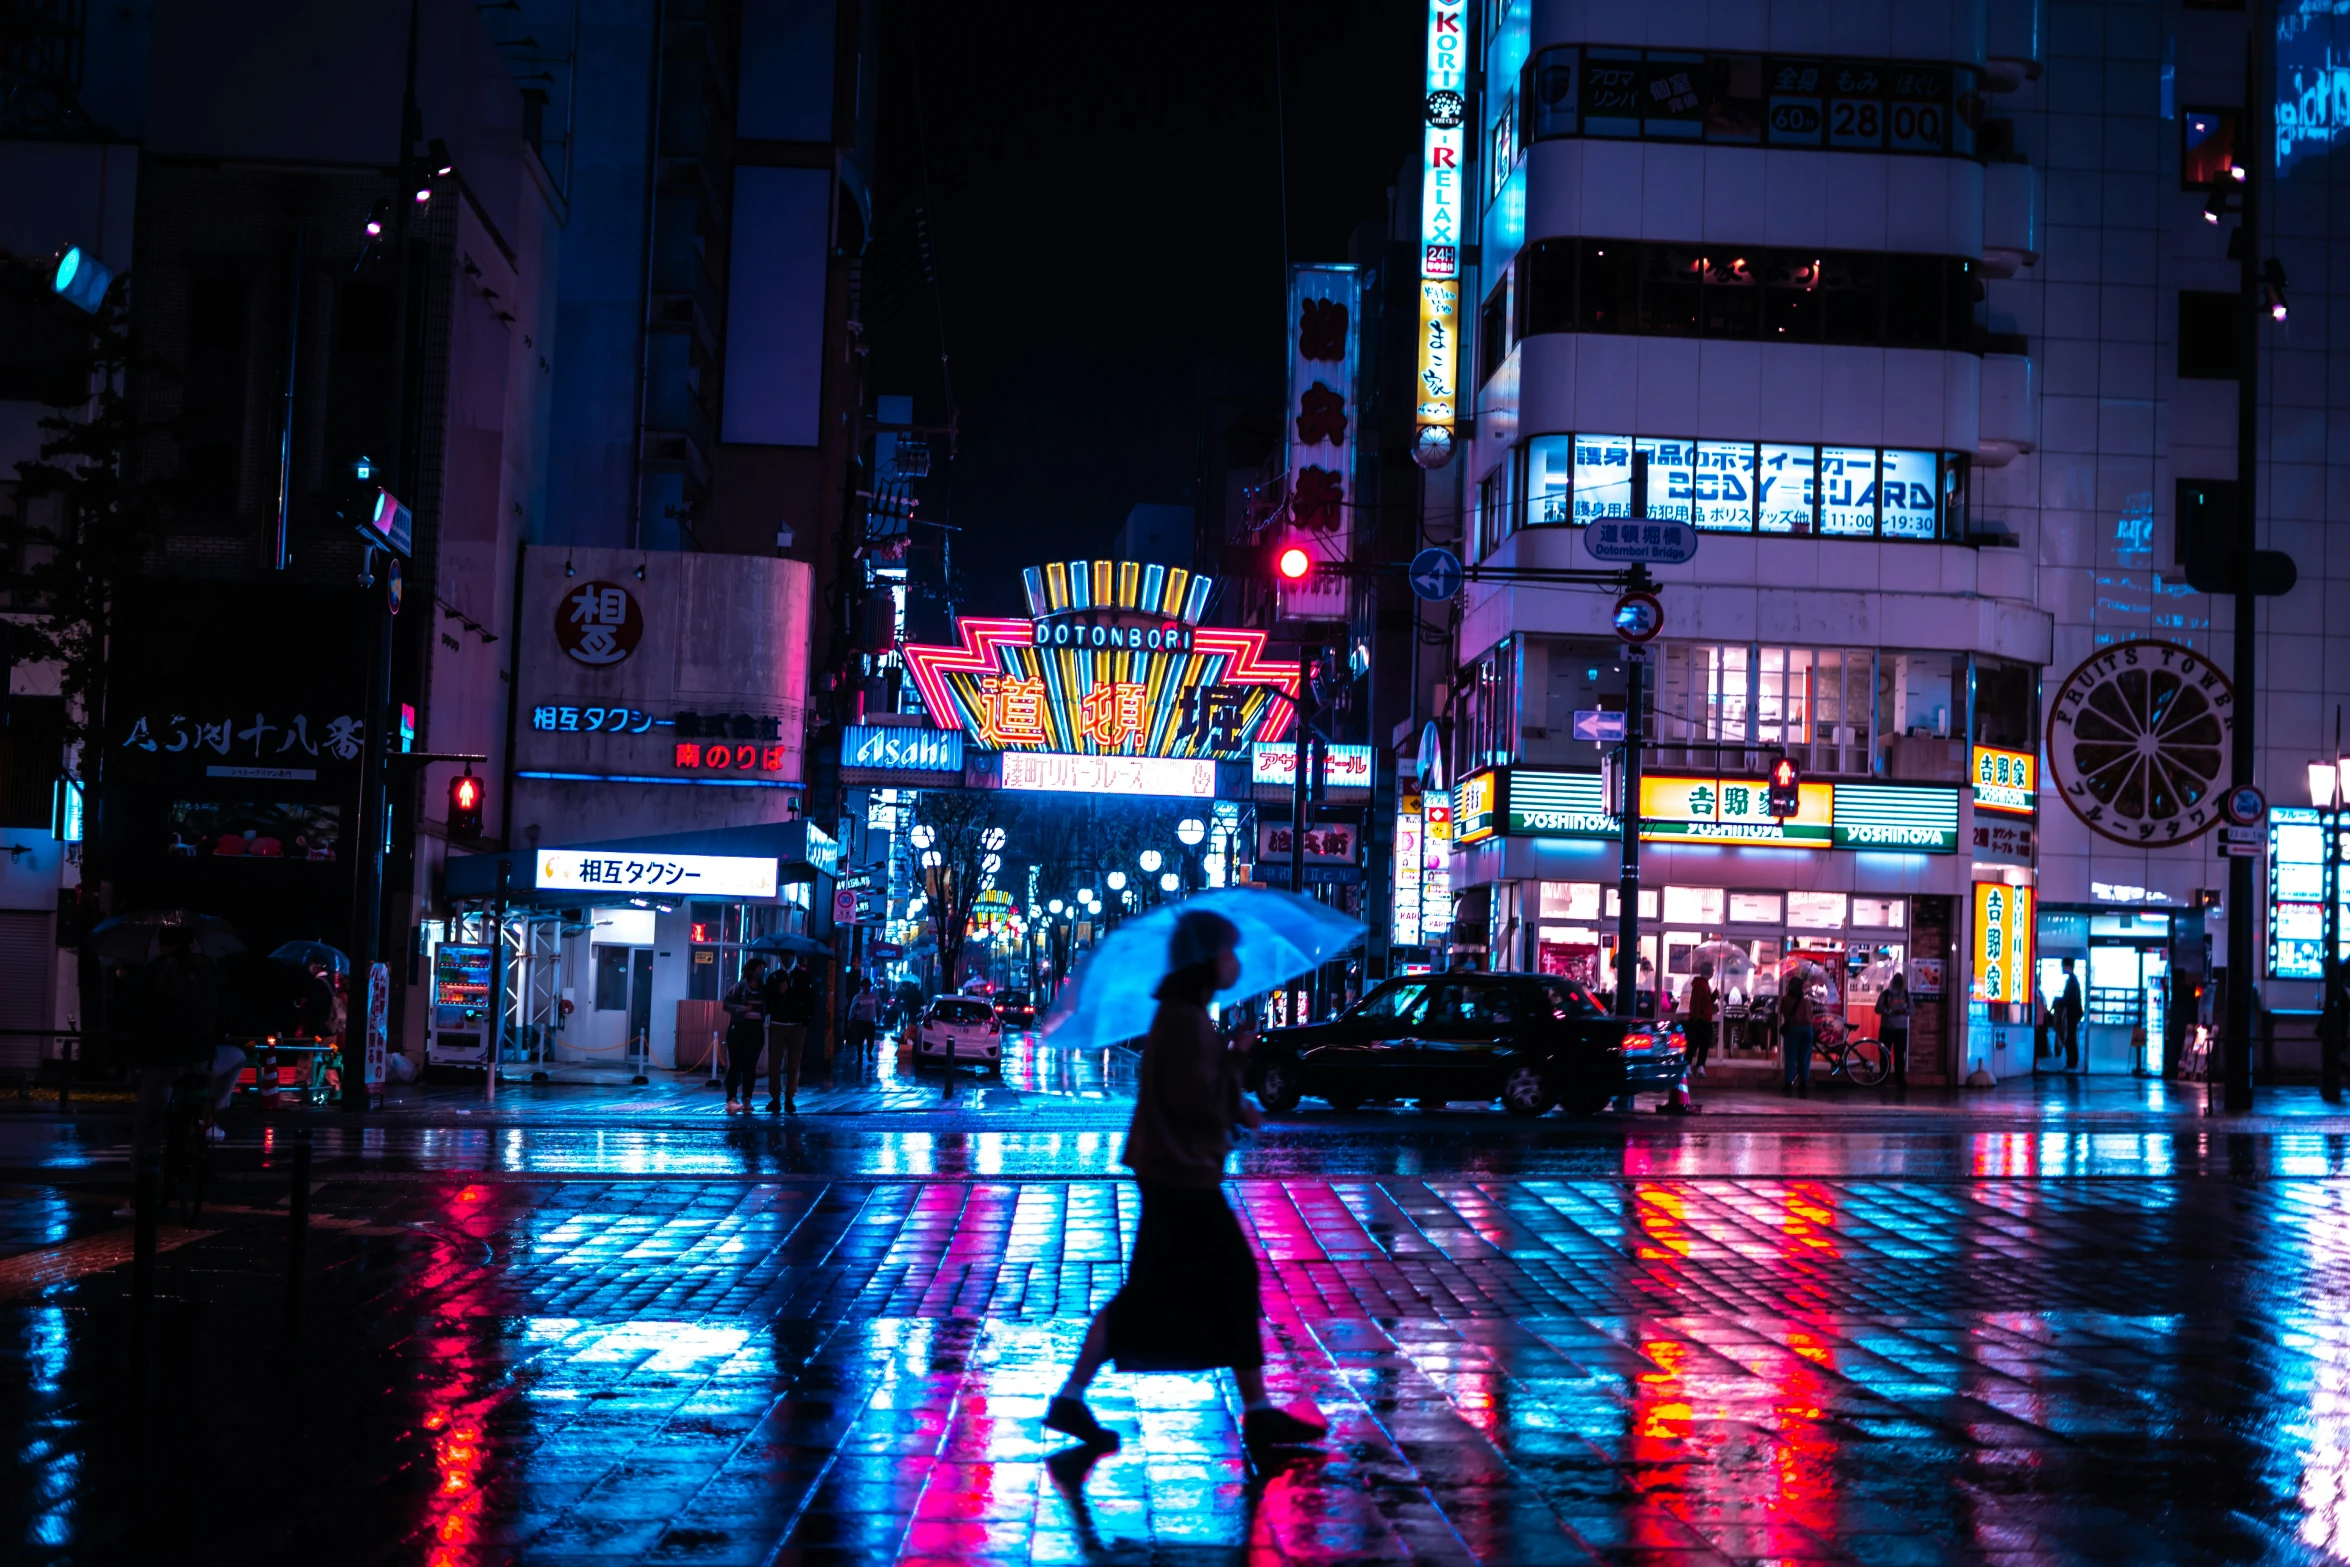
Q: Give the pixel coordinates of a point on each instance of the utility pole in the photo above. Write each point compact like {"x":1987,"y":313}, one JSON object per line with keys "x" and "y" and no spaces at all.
{"x":367,"y":876}
{"x":2244,"y":903}
{"x":1628,"y":873}
{"x":1297,"y":790}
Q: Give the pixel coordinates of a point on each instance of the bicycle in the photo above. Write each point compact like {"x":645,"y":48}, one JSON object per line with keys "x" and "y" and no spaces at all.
{"x":1863,"y":1060}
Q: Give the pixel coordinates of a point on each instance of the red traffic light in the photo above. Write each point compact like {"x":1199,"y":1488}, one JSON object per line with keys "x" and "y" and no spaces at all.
{"x":465,"y":807}
{"x":1293,"y":563}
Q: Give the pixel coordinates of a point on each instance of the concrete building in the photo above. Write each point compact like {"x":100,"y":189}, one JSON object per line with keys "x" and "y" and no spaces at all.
{"x":1910,"y":309}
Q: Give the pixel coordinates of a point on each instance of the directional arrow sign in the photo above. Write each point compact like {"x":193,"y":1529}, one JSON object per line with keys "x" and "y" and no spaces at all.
{"x":1435,"y":574}
{"x":1598,"y":726}
{"x":1646,"y":539}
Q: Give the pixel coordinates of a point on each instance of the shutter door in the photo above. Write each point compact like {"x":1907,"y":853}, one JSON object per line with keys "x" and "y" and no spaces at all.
{"x":28,"y":966}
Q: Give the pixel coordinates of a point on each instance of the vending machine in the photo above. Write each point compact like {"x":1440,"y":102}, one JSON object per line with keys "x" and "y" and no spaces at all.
{"x":460,"y":1006}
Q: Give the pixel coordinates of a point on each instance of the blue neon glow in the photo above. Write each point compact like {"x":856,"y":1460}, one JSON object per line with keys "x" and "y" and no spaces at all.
{"x":2312,"y":110}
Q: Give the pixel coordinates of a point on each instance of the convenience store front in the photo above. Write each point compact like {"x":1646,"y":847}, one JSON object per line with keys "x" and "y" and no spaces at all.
{"x":1866,"y":880}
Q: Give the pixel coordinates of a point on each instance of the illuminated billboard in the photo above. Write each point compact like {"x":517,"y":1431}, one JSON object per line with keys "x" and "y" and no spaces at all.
{"x":2006,"y":781}
{"x":2003,"y":944}
{"x":1183,"y":777}
{"x":1444,"y":111}
{"x":1114,"y":663}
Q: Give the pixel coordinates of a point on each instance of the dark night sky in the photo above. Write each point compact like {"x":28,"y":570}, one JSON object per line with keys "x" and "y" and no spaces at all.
{"x":1105,"y":196}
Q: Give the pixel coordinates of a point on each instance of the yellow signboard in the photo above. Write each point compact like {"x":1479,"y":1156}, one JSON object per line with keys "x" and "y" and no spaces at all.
{"x":2002,"y":966}
{"x":1440,"y":319}
{"x":2006,"y":780}
{"x":1473,"y":818}
{"x":1732,"y":810}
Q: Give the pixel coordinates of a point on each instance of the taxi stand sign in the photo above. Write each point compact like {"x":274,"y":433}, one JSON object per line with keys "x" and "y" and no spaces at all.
{"x":674,"y":875}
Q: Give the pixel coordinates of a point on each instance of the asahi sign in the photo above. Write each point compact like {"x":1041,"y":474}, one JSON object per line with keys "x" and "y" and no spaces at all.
{"x":2138,"y":742}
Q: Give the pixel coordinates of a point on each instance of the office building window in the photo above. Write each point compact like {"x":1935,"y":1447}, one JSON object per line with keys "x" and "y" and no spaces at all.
{"x":1746,"y":293}
{"x":1742,"y":487}
{"x":1903,"y":106}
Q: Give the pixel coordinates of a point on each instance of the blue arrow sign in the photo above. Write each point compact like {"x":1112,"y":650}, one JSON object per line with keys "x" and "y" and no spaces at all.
{"x":1646,"y":539}
{"x":1598,"y":726}
{"x":1435,"y":574}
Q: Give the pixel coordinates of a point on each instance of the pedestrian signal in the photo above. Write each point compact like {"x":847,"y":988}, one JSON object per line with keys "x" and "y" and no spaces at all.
{"x":464,"y":807}
{"x":1786,"y":788}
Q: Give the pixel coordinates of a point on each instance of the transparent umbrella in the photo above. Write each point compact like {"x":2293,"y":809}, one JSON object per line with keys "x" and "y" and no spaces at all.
{"x":1732,"y":965}
{"x":1281,"y":936}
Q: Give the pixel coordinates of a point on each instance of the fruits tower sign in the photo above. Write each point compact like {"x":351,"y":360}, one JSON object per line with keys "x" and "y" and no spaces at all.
{"x":2138,"y":742}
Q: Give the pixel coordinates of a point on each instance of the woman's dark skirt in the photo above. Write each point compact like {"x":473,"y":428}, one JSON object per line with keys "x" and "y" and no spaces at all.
{"x":1190,"y":1301}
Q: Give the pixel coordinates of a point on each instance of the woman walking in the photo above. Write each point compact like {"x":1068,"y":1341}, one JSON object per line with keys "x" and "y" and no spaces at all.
{"x":1795,"y":1031}
{"x":746,"y":1035}
{"x":1893,"y":1009}
{"x":1190,"y":1299}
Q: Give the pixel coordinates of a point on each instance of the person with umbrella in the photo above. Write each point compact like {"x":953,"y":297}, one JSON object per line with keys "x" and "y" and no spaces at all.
{"x":1190,"y":1300}
{"x":746,"y":1034}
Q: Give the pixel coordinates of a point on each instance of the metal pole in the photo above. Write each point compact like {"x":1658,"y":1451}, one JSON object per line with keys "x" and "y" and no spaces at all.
{"x":1297,"y":784}
{"x":493,"y":1045}
{"x":2244,"y":903}
{"x":1628,"y":876}
{"x":2329,"y":1057}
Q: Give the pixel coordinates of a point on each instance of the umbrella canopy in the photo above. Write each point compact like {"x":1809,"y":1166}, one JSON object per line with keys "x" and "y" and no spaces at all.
{"x":1730,"y":960}
{"x":274,"y":995}
{"x":1281,"y":936}
{"x":786,"y":941}
{"x":130,"y":938}
{"x":306,"y":953}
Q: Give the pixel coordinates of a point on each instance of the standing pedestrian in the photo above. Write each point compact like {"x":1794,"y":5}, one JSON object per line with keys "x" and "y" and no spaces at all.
{"x":1893,"y":1009}
{"x":1190,"y":1299}
{"x":2068,"y":1018}
{"x":746,"y":1034}
{"x":1698,"y":1024}
{"x":182,"y":996}
{"x":791,"y":1004}
{"x":1795,"y":1032}
{"x":864,"y":1016}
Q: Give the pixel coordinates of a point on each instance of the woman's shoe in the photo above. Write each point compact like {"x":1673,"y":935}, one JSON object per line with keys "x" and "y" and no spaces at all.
{"x":1070,"y":1417}
{"x":733,"y":1106}
{"x":1275,"y":1427}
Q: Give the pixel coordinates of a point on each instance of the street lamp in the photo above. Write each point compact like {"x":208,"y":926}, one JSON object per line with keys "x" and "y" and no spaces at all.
{"x":2329,"y":791}
{"x":923,"y":837}
{"x":1169,"y":882}
{"x":1150,"y":860}
{"x":1190,"y":831}
{"x":1054,"y":906}
{"x":1116,"y":879}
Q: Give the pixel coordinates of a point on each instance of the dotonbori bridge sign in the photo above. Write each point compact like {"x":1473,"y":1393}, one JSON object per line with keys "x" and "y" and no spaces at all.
{"x":2138,"y":742}
{"x":1113,"y":661}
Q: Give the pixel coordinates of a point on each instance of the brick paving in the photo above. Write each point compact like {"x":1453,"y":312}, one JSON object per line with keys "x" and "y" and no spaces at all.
{"x":1689,"y":1368}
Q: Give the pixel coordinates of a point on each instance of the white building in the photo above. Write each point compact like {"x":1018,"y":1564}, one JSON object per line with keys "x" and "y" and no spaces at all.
{"x":1902,"y":301}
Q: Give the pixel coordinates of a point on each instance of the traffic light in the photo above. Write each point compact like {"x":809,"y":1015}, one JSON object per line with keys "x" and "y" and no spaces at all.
{"x":1278,"y":564}
{"x":464,"y":807}
{"x":1786,"y":788}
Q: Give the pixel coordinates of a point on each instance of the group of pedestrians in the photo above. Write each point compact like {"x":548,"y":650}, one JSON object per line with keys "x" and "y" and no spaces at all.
{"x":768,"y":1008}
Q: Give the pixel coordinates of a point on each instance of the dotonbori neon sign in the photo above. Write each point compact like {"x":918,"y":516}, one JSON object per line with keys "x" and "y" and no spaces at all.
{"x":1113,"y":662}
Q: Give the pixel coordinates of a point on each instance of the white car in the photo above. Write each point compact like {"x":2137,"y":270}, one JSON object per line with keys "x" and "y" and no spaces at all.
{"x":963,"y":1024}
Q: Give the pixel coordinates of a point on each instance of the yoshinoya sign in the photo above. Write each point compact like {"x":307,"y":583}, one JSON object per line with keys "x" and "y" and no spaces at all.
{"x":677,"y":875}
{"x":2005,"y":780}
{"x":1915,"y":819}
{"x":2138,"y":740}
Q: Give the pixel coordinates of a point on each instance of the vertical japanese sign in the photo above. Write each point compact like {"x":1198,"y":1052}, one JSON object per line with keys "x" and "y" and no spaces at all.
{"x":1409,"y":868}
{"x":379,"y":1025}
{"x":1325,"y":313}
{"x":1435,"y":867}
{"x":1444,"y":142}
{"x":2003,"y":943}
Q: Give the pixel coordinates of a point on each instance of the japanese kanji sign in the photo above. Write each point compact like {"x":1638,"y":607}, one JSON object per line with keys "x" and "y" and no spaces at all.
{"x":678,"y":875}
{"x":598,"y":623}
{"x":289,"y":738}
{"x":1325,"y":306}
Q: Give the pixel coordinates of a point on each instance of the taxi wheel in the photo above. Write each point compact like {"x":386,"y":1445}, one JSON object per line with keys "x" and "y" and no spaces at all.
{"x":1586,"y":1101}
{"x":1278,"y":1089}
{"x":1525,"y":1091}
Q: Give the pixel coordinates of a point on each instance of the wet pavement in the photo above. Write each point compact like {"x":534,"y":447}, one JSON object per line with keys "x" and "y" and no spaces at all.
{"x":2054,"y":1322}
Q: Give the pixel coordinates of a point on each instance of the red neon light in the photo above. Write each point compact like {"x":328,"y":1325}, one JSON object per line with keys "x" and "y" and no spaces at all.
{"x":732,"y":758}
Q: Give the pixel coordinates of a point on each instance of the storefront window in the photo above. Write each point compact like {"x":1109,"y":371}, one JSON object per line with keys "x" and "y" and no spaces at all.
{"x":1550,"y":488}
{"x":1754,"y":908}
{"x":1569,"y":900}
{"x":1816,"y":910}
{"x":1485,"y":726}
{"x":1693,"y":905}
{"x":2007,"y":707}
{"x":1615,"y":904}
{"x":1878,"y":913}
{"x":1789,"y":489}
{"x":1730,"y":486}
{"x":1816,"y":703}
